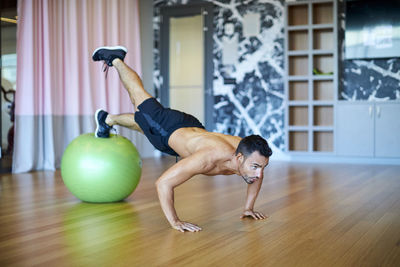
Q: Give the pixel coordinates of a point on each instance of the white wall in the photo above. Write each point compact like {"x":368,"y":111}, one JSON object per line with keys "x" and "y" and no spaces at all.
{"x":146,"y":35}
{"x":146,"y":42}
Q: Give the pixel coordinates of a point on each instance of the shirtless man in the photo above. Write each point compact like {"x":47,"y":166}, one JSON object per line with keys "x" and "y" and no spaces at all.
{"x":179,"y":134}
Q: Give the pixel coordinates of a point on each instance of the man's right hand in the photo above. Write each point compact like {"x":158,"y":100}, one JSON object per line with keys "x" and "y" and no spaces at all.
{"x":185,"y":226}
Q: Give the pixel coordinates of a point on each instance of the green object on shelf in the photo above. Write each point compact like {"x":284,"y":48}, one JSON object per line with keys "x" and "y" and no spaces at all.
{"x":318,"y":72}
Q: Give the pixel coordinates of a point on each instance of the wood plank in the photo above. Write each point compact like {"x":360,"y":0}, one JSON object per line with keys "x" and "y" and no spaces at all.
{"x":319,"y":215}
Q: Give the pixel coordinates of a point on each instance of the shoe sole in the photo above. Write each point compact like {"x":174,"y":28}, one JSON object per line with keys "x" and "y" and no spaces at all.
{"x":111,"y":48}
{"x":97,"y":122}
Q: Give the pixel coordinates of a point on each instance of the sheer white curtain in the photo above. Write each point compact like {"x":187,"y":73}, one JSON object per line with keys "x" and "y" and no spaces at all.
{"x":59,"y":87}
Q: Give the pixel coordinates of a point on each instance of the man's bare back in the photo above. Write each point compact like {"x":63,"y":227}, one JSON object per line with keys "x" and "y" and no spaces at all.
{"x":177,"y":133}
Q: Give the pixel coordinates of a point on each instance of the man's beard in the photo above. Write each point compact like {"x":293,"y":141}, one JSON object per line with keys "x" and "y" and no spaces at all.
{"x":249,"y":180}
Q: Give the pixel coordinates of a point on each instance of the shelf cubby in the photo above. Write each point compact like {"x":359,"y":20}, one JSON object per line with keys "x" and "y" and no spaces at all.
{"x":322,"y":13}
{"x":323,"y":63}
{"x":298,"y":115}
{"x":323,"y":116}
{"x":298,"y":15}
{"x":298,"y":141}
{"x":298,"y":90}
{"x":323,"y":141}
{"x":323,"y":39}
{"x":323,"y":90}
{"x":298,"y":65}
{"x":298,"y":40}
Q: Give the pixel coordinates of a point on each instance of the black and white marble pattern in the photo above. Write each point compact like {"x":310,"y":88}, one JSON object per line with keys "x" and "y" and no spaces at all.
{"x":371,"y":80}
{"x":366,"y":79}
{"x":256,"y":103}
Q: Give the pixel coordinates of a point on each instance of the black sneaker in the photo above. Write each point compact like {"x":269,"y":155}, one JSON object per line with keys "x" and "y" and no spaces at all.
{"x":102,"y":129}
{"x":109,"y":53}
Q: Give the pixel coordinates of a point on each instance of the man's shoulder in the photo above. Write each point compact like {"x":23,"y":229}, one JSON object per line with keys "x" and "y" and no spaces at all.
{"x":218,"y":152}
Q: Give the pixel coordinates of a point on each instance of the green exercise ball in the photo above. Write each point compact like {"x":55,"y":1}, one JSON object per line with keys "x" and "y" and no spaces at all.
{"x":101,"y":169}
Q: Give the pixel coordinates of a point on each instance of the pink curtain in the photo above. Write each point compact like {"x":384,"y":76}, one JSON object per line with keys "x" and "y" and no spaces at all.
{"x":59,"y":87}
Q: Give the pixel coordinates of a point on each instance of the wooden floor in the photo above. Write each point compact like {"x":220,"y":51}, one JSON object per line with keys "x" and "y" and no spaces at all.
{"x":320,"y":215}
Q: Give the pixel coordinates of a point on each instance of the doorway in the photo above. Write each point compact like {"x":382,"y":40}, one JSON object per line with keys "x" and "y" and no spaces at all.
{"x":8,"y":73}
{"x":186,"y":60}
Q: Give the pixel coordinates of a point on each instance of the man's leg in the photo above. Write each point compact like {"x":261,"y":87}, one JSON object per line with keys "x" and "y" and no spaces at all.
{"x":132,"y":82}
{"x":114,"y":56}
{"x":105,"y":122}
{"x":125,"y":120}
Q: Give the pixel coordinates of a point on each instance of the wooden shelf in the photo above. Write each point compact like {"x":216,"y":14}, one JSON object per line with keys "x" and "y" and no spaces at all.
{"x":298,"y":78}
{"x":323,"y":103}
{"x":297,"y":28}
{"x":323,"y":128}
{"x":298,"y":128}
{"x":298,"y":103}
{"x":298,"y":53}
{"x":323,"y":77}
{"x":322,"y":26}
{"x":322,"y":52}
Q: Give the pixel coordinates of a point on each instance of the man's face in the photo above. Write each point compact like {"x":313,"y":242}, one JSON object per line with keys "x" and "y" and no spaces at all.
{"x":252,"y":168}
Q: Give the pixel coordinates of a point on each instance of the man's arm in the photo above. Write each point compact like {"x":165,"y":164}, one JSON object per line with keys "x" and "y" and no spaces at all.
{"x":174,"y":176}
{"x":252,"y":193}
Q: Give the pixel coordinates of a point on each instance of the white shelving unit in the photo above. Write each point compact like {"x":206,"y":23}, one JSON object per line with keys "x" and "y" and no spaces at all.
{"x":311,"y":76}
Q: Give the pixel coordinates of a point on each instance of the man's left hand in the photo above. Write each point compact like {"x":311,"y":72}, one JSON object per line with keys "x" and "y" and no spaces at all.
{"x":254,"y":214}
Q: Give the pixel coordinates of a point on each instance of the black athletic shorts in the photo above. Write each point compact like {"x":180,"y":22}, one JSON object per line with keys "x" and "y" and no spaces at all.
{"x":158,"y":123}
